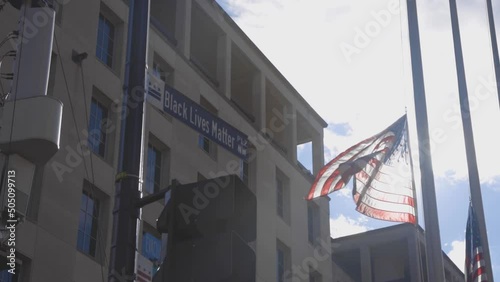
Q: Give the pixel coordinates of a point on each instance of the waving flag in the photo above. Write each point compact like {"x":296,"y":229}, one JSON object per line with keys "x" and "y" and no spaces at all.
{"x":383,"y":178}
{"x":475,"y":267}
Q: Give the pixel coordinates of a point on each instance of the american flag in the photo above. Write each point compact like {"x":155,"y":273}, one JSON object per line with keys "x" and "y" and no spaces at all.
{"x":475,"y":267}
{"x":383,"y":178}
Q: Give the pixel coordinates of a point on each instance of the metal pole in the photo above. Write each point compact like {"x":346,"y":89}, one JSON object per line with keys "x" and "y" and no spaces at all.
{"x":474,"y":182}
{"x":433,"y":240}
{"x":171,"y":231}
{"x":414,"y":189}
{"x":153,"y":197}
{"x":125,"y":211}
{"x":494,"y":45}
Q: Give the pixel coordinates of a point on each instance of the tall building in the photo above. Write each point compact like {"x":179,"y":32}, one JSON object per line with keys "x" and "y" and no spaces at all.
{"x":196,"y":50}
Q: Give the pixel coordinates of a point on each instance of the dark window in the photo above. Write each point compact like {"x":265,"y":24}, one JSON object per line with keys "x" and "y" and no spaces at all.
{"x":204,"y":143}
{"x":105,"y":41}
{"x":280,"y":194}
{"x":5,"y":276}
{"x":244,"y":172}
{"x":280,"y":265}
{"x":162,"y":70}
{"x":312,"y":222}
{"x":151,"y":247}
{"x":159,"y":72}
{"x":314,"y":276}
{"x":208,"y":146}
{"x":88,"y":224}
{"x":97,"y":134}
{"x":153,"y":177}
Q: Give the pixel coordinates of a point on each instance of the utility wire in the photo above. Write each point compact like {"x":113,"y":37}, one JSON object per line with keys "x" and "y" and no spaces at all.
{"x":15,"y":98}
{"x":92,"y":192}
{"x":91,"y":157}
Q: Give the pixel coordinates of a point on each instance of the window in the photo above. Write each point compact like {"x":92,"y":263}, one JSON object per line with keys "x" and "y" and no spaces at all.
{"x":280,"y":264}
{"x":163,"y":17}
{"x":204,"y":142}
{"x":153,"y":177}
{"x":5,"y":276}
{"x":313,"y":229}
{"x":151,"y":246}
{"x":21,"y":268}
{"x":279,"y":197}
{"x":158,"y":71}
{"x":315,"y":276}
{"x":105,"y":41}
{"x":282,"y":261}
{"x":156,"y":174}
{"x":162,"y":70}
{"x":88,"y":224}
{"x":282,"y":196}
{"x":244,"y":172}
{"x":97,"y":134}
{"x":208,"y":146}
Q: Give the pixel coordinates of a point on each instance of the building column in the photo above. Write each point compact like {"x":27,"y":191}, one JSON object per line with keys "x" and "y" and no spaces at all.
{"x":183,"y":26}
{"x":414,"y":257}
{"x":224,"y":65}
{"x":259,"y":99}
{"x":318,"y":153}
{"x":366,"y":264}
{"x":290,"y":117}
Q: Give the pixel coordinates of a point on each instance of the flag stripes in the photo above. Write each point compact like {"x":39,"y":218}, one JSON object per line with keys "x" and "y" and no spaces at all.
{"x":475,"y":265}
{"x":383,"y":180}
{"x":385,"y":215}
{"x":330,"y":172}
{"x":388,"y":193}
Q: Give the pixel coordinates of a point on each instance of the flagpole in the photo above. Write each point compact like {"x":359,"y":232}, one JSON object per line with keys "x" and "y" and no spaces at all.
{"x":494,"y":45}
{"x":415,"y":203}
{"x":474,"y":182}
{"x":433,"y":240}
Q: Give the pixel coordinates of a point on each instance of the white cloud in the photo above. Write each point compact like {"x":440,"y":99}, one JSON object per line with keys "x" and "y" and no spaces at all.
{"x":457,"y":253}
{"x":345,"y":226}
{"x":372,"y":91}
{"x":301,"y":148}
{"x":345,"y":192}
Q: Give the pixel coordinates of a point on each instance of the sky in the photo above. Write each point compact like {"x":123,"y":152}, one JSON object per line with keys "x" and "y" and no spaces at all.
{"x":350,"y":61}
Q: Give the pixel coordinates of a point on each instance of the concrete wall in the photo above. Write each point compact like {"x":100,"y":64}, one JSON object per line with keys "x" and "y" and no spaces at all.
{"x":387,"y":254}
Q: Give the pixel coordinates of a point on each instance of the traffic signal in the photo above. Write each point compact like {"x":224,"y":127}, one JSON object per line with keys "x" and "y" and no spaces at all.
{"x":212,"y":223}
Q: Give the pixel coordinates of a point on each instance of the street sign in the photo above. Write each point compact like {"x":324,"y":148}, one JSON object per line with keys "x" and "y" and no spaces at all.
{"x":179,"y":106}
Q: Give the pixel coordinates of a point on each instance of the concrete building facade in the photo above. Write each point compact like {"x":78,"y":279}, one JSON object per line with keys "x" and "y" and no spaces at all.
{"x":196,"y":48}
{"x":386,"y":254}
